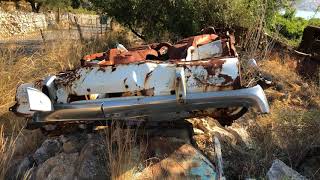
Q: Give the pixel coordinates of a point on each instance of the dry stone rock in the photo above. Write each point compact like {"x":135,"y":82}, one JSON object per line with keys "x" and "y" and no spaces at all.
{"x":235,"y":134}
{"x":61,"y":167}
{"x":92,"y":161}
{"x":18,"y":22}
{"x":166,"y":155}
{"x":28,"y":141}
{"x":173,"y":159}
{"x":73,"y":143}
{"x":48,"y":149}
{"x":279,"y":170}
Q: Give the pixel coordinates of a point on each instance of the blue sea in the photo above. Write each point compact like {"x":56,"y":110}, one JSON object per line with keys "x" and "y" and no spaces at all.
{"x":307,"y":14}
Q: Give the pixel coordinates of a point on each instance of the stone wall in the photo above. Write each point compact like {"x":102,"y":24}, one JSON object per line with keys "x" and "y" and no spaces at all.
{"x":18,"y":22}
{"x":70,"y":19}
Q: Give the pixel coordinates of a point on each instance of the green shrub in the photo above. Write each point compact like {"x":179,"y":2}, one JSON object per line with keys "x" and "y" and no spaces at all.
{"x":289,"y":27}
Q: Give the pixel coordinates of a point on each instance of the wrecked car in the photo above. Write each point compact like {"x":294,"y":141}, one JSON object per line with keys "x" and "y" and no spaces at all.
{"x":199,"y":75}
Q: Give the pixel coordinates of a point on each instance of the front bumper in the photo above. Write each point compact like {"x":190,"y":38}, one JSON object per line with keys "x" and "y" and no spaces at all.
{"x":166,"y":107}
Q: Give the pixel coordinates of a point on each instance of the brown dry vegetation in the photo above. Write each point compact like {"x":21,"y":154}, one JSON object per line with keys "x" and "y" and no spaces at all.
{"x":54,"y":57}
{"x":124,"y":152}
{"x":6,"y":152}
{"x":17,"y":68}
{"x":288,"y":133}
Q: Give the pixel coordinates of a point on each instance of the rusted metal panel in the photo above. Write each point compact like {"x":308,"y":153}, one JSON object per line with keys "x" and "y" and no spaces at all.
{"x":115,"y":56}
{"x":309,"y":64}
{"x":192,"y":48}
{"x":201,"y":76}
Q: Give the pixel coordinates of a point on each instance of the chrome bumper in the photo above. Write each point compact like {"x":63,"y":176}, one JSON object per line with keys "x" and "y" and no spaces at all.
{"x":167,"y":107}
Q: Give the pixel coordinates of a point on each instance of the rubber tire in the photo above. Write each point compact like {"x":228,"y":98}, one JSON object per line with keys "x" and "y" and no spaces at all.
{"x":227,"y":120}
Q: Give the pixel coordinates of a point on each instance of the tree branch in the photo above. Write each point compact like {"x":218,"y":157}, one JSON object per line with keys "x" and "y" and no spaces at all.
{"x":136,"y":33}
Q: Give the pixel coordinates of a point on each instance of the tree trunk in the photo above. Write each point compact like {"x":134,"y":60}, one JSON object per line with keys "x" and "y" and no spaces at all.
{"x":38,"y":7}
{"x":136,"y":33}
{"x":35,"y":6}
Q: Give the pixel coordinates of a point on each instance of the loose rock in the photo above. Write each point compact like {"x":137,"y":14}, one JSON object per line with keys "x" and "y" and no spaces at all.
{"x":61,"y":166}
{"x":279,"y":170}
{"x":48,"y":149}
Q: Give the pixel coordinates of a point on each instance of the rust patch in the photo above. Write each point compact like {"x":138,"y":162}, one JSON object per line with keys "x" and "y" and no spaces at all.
{"x":67,"y":78}
{"x":227,"y":79}
{"x":102,"y":69}
{"x":38,"y":84}
{"x":96,"y":56}
{"x":237,"y":83}
{"x":113,"y":68}
{"x":147,"y":77}
{"x":144,"y":92}
{"x":174,"y":53}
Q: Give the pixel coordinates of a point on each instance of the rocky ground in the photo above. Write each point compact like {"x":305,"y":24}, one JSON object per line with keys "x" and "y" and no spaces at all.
{"x":187,"y":152}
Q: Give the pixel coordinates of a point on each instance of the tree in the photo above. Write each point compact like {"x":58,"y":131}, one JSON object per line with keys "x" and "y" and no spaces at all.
{"x":75,"y":4}
{"x":37,"y":4}
{"x":158,"y":19}
{"x":150,"y":19}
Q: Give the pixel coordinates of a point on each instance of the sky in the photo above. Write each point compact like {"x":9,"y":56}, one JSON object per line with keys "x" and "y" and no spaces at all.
{"x":307,"y":5}
{"x":306,"y":8}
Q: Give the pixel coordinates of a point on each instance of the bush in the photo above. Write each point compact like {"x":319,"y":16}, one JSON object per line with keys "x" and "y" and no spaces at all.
{"x":289,"y":27}
{"x":153,"y":20}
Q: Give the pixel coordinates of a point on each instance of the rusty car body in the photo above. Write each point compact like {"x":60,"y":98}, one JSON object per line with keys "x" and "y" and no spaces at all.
{"x":154,"y":82}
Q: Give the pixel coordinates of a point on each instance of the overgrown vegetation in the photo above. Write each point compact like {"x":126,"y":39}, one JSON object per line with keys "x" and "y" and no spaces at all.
{"x":289,"y":27}
{"x":124,"y":152}
{"x":171,"y":20}
{"x":7,"y":145}
{"x":288,"y":133}
{"x":159,"y":20}
{"x":17,"y":68}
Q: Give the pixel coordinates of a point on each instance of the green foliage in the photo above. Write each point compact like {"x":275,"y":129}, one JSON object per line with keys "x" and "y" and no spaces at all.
{"x":75,"y":4}
{"x":290,"y":27}
{"x":161,"y":19}
{"x":80,"y":10}
{"x":51,"y":4}
{"x":314,"y":22}
{"x":56,"y":3}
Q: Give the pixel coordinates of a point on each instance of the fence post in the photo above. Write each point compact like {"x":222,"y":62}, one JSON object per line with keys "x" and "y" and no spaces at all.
{"x":100,"y":23}
{"x":79,"y":29}
{"x":42,"y":36}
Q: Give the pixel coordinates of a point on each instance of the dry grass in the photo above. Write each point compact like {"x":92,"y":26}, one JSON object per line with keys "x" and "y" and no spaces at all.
{"x":288,"y":132}
{"x":294,"y":120}
{"x":293,"y":90}
{"x":7,"y":147}
{"x":16,"y":67}
{"x":124,"y":152}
